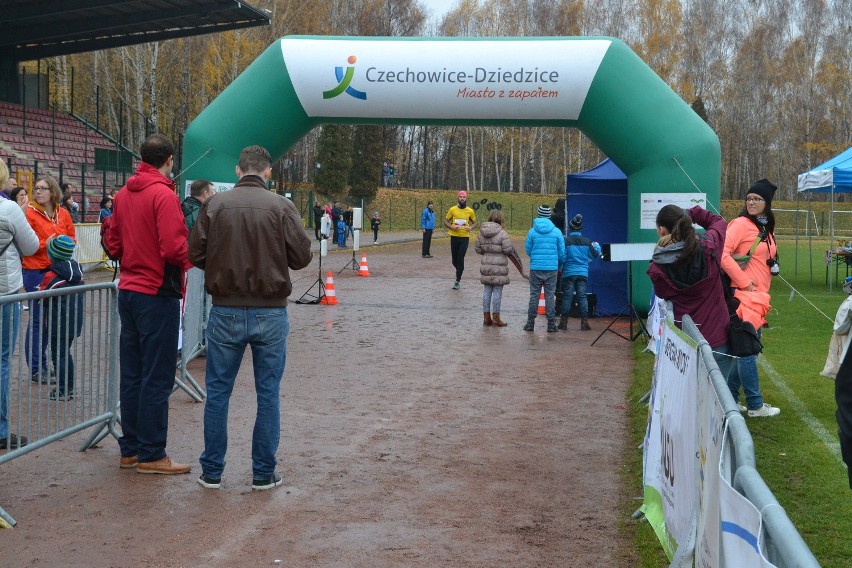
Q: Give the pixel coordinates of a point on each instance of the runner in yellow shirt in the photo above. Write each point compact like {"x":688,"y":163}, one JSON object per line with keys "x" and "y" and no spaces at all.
{"x":460,"y":221}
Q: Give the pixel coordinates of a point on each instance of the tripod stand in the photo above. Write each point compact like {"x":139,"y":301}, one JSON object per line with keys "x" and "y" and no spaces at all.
{"x":353,"y":264}
{"x":630,"y":311}
{"x":309,"y":297}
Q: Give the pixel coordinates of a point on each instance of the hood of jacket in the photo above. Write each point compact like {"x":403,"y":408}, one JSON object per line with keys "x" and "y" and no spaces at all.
{"x":489,"y":229}
{"x":145,"y":176}
{"x":543,"y":225}
{"x":684,"y":274}
{"x":67,"y":270}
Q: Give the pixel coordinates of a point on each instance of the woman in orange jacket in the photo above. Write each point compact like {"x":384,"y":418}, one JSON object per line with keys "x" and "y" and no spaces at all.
{"x":751,"y":235}
{"x":48,"y":219}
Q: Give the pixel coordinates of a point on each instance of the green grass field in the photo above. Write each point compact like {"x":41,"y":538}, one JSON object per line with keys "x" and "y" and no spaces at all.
{"x":797,"y":452}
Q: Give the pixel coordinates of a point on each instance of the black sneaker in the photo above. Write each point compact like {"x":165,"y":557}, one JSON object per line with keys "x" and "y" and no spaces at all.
{"x":13,"y":441}
{"x":43,"y":378}
{"x":269,"y":483}
{"x":55,"y":395}
{"x":530,"y":326}
{"x":209,"y":482}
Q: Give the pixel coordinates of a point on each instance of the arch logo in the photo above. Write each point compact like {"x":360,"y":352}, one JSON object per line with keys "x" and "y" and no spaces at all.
{"x":344,"y":81}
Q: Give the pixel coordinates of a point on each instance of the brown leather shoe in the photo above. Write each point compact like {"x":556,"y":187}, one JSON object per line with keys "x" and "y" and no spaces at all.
{"x":164,"y":466}
{"x":127,"y":463}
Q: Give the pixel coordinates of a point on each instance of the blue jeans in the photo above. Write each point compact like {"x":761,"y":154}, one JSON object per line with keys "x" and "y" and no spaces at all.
{"x":571,"y":284}
{"x":36,"y":341}
{"x":546,"y":278}
{"x":229,"y":330}
{"x":148,"y":355}
{"x":740,"y":372}
{"x":10,"y":317}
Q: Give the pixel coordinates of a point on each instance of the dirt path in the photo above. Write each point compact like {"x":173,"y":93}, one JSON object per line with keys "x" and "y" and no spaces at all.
{"x":412,"y":436}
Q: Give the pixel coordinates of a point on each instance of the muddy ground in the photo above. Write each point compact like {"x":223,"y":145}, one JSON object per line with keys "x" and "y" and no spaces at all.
{"x":412,"y":436}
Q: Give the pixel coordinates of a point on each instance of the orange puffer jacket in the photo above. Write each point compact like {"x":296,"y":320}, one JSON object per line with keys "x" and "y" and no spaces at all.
{"x":46,"y":227}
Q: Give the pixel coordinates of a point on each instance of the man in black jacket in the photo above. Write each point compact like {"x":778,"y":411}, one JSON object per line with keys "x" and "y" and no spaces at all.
{"x":843,"y":397}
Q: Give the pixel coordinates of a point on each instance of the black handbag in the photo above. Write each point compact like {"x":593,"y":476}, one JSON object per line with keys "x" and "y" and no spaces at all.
{"x":742,"y":338}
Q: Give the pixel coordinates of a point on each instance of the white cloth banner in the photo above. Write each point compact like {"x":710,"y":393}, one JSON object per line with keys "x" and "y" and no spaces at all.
{"x":739,"y":523}
{"x":671,"y":482}
{"x":710,"y":423}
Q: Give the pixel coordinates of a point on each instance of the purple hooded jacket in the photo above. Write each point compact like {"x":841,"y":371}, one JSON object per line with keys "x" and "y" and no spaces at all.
{"x":693,"y":289}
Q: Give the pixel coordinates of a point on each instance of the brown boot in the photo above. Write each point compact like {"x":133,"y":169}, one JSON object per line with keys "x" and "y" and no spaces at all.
{"x":495,"y":318}
{"x":584,"y":324}
{"x":486,"y":318}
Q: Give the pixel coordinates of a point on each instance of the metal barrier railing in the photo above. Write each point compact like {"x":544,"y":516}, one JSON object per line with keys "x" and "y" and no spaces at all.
{"x":782,"y":543}
{"x":84,"y":367}
{"x":195,"y":310}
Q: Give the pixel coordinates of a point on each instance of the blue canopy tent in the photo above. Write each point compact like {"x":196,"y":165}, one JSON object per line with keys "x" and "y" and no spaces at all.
{"x":600,"y":195}
{"x":833,"y":176}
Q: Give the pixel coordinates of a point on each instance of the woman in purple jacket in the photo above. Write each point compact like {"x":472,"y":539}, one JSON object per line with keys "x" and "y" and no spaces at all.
{"x":685,"y":270}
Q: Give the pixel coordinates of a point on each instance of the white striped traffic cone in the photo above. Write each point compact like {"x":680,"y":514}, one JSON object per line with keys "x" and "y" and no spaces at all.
{"x":330,"y":297}
{"x":363,"y":270}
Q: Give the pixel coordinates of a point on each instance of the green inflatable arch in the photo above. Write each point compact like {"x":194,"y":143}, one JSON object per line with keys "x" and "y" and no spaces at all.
{"x":596,"y":84}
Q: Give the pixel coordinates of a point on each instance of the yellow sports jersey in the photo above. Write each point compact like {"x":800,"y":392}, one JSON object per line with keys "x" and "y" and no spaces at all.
{"x":461,"y":219}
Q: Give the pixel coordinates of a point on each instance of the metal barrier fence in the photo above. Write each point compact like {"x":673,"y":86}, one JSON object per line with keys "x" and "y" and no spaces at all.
{"x":84,"y":367}
{"x":782,"y":543}
{"x":195,"y":310}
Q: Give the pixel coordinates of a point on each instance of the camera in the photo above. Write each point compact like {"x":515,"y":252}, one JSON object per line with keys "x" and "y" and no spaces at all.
{"x":774,"y":268}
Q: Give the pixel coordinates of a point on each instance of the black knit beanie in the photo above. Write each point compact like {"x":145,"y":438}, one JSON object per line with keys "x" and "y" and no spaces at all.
{"x":763,"y":188}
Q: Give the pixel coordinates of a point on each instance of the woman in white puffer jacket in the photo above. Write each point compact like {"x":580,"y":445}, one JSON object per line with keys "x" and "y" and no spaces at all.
{"x":16,"y":238}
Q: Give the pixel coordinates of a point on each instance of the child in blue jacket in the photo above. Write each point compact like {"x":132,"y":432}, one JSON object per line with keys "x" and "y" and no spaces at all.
{"x":341,"y":232}
{"x":579,"y":252}
{"x":63,"y":321}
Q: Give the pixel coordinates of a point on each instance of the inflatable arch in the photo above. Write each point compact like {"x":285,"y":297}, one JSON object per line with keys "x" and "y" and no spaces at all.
{"x":596,"y":84}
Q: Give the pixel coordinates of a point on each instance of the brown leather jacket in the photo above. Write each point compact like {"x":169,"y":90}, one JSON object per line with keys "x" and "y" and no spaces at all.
{"x":246,"y":240}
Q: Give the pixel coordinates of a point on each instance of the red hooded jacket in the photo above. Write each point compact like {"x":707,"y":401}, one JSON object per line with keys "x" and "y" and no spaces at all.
{"x":148,"y":233}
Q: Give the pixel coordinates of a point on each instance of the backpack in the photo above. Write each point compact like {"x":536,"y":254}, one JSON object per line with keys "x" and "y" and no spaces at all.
{"x":105,"y":225}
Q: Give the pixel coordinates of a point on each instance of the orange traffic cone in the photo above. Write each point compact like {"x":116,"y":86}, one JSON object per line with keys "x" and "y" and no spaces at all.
{"x":541,"y":309}
{"x":330,"y":297}
{"x":363,"y":271}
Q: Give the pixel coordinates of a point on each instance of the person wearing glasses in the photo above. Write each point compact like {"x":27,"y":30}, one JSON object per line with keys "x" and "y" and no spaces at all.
{"x":48,"y":219}
{"x":750,"y":260}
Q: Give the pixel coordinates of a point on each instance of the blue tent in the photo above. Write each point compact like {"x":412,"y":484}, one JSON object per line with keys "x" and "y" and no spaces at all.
{"x":600,"y":195}
{"x":834,"y":175}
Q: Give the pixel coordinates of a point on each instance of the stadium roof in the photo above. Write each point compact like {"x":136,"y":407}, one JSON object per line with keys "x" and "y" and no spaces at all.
{"x":36,"y":29}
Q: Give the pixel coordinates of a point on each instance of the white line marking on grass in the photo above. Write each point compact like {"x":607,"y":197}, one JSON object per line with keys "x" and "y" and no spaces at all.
{"x":827,"y":438}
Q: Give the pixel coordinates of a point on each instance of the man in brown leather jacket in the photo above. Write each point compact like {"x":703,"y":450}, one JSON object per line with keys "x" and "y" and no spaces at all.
{"x":246,"y":240}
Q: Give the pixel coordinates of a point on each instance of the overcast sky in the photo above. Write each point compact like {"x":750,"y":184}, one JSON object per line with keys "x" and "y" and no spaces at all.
{"x":438,"y":7}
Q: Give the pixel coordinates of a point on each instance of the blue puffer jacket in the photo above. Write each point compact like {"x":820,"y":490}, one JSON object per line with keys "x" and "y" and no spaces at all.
{"x":545,"y":245}
{"x":427,"y":219}
{"x":579,"y":252}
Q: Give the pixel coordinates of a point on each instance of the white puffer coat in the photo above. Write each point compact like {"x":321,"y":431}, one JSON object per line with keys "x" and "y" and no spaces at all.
{"x":17,"y":233}
{"x":494,"y":244}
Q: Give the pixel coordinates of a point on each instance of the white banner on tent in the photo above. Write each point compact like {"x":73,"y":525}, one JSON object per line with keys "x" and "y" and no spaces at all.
{"x":651,"y":203}
{"x":670,"y":464}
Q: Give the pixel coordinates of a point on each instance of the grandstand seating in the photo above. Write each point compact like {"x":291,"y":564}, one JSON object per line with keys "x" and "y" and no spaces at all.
{"x":55,"y":144}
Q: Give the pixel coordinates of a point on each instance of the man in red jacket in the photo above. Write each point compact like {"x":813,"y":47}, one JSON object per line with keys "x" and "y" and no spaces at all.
{"x":148,"y":234}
